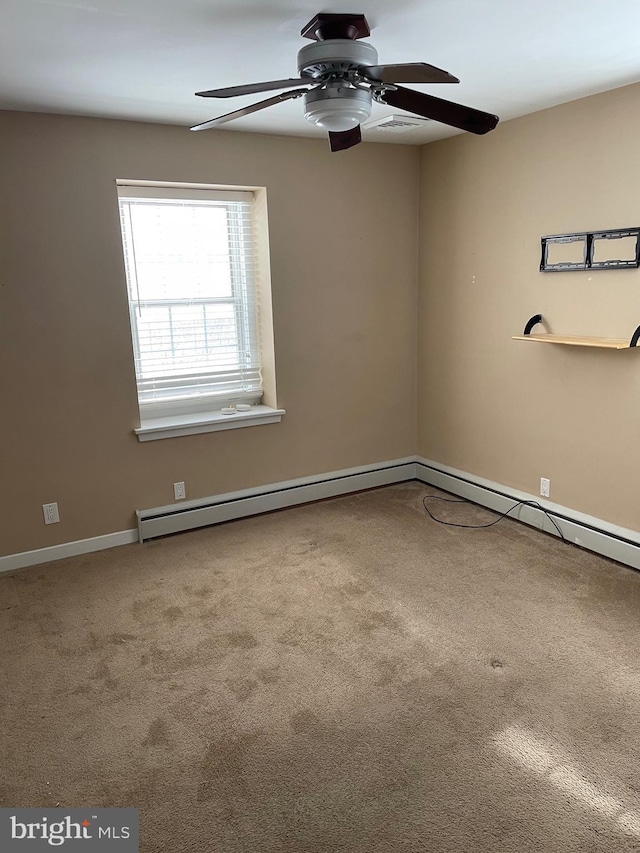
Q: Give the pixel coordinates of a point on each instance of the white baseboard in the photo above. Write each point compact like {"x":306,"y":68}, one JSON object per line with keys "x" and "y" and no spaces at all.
{"x":594,"y":534}
{"x":216,"y":509}
{"x":67,"y":549}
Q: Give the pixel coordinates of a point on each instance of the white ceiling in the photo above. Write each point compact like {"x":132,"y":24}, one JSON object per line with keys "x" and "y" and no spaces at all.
{"x":144,"y":59}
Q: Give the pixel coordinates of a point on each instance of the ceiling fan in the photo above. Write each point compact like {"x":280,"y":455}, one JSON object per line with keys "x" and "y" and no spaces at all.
{"x":340,"y":78}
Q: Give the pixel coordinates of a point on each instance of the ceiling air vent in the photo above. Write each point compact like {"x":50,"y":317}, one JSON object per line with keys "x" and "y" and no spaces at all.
{"x":396,"y":123}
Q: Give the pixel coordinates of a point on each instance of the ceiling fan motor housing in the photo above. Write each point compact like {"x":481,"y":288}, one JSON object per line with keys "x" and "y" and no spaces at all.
{"x":334,"y":56}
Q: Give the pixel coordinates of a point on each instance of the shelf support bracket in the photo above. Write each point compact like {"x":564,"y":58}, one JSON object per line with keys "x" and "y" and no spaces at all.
{"x":537,"y":318}
{"x":635,"y":338}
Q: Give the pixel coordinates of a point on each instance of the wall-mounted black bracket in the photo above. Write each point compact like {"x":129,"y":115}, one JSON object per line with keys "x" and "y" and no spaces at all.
{"x":590,"y":240}
{"x":537,"y":318}
{"x":635,"y":338}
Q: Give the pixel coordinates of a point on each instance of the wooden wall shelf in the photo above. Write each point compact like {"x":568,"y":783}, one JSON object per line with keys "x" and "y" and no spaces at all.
{"x":609,"y":343}
{"x":576,"y":340}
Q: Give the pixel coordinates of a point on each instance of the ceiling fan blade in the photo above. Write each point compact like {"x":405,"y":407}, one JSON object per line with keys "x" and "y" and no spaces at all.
{"x":455,"y":115}
{"x":253,"y":88}
{"x":343,"y":139}
{"x":253,"y":108}
{"x":408,"y":72}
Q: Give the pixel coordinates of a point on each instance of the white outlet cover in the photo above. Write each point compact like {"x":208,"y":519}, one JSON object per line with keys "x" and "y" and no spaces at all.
{"x":50,"y":513}
{"x":179,"y":492}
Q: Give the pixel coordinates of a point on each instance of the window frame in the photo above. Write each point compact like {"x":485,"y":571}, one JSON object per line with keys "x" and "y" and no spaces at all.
{"x":166,"y":415}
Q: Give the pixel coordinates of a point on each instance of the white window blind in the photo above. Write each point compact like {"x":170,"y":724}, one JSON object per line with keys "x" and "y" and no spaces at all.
{"x":189,"y":257}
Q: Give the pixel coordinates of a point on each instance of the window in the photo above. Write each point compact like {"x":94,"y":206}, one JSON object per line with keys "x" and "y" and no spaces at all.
{"x":193,"y":299}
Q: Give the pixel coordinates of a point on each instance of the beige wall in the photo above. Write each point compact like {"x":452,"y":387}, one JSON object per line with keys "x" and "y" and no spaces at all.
{"x":513,"y":411}
{"x":344,"y":276}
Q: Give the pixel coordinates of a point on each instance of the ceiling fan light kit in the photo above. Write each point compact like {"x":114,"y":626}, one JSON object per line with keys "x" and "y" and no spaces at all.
{"x":340,"y":78}
{"x":337,"y":108}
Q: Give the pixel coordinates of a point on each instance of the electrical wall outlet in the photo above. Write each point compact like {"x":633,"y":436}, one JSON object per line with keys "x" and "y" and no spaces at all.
{"x":545,"y":487}
{"x":179,"y":492}
{"x":50,"y":512}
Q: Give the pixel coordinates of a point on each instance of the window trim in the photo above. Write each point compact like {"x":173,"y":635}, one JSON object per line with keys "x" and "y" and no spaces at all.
{"x":193,"y":418}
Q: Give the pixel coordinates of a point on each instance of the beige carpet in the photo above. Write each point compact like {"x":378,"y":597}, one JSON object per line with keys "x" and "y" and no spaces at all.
{"x":344,"y":676}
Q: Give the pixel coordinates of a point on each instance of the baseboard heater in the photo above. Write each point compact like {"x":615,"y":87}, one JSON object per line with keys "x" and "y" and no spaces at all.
{"x":593,"y":534}
{"x":173,"y":518}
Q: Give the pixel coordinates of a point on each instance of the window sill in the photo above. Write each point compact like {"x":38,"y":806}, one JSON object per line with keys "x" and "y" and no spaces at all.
{"x":154,"y":429}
